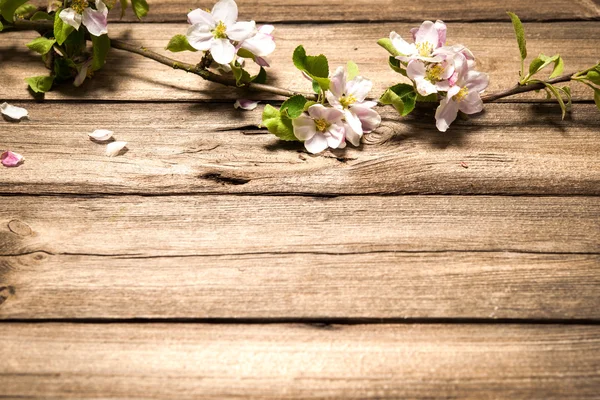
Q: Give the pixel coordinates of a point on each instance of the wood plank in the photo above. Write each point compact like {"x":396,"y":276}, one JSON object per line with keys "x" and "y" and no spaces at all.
{"x":154,"y":361}
{"x":363,"y":10}
{"x":131,"y":77}
{"x":363,"y":257}
{"x":181,"y":148}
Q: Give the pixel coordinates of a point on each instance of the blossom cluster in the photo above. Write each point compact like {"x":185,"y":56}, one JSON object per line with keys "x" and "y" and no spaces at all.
{"x":439,"y":72}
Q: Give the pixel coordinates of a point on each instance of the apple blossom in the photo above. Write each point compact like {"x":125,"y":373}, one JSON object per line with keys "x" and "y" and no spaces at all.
{"x":261,"y":45}
{"x":431,"y":77}
{"x":95,"y":20}
{"x":216,"y":30}
{"x":320,"y":127}
{"x":349,"y":97}
{"x":428,"y":37}
{"x":10,"y":159}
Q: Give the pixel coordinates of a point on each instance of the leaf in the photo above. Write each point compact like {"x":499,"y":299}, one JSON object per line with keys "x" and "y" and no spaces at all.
{"x":541,"y":62}
{"x":261,"y":77}
{"x":597,"y":98}
{"x":278,"y":124}
{"x":61,"y":30}
{"x":397,"y":66}
{"x":567,"y":91}
{"x":1,"y":26}
{"x":123,"y":7}
{"x":315,"y":87}
{"x":594,"y":77}
{"x":316,"y":67}
{"x":241,"y":75}
{"x":101,"y":46}
{"x":351,"y":70}
{"x":294,"y":106}
{"x":386,"y":43}
{"x":556,"y":94}
{"x":402,"y":96}
{"x":559,"y":67}
{"x":308,"y":104}
{"x":25,"y":10}
{"x":179,"y":43}
{"x":140,"y":8}
{"x":41,"y":45}
{"x":9,"y":7}
{"x":40,"y":84}
{"x":42,"y":16}
{"x":244,"y":53}
{"x":520,"y":34}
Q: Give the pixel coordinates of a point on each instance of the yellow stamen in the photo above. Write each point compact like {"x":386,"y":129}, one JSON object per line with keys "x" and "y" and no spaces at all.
{"x":461,"y":94}
{"x":79,"y":5}
{"x":347,"y":101}
{"x":424,"y":49}
{"x":322,"y":125}
{"x":219,"y":31}
{"x":434,"y":73}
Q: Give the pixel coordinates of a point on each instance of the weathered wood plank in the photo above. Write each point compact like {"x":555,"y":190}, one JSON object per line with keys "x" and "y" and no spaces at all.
{"x":305,"y":285}
{"x":182,"y":148}
{"x":364,"y":10}
{"x":299,"y":361}
{"x":131,"y":77}
{"x":148,"y":254}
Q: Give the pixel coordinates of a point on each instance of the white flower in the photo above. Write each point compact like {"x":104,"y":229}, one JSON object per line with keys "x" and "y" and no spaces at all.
{"x":216,"y":30}
{"x":428,"y":37}
{"x":349,"y":97}
{"x":431,"y":77}
{"x":261,"y":45}
{"x":244,"y":104}
{"x":114,"y":148}
{"x":81,"y":13}
{"x":10,"y":159}
{"x":464,"y":96}
{"x":101,"y":135}
{"x":322,"y":127}
{"x":12,"y":112}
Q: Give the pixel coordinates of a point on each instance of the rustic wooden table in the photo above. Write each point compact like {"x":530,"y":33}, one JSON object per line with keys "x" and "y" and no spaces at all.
{"x":213,"y":261}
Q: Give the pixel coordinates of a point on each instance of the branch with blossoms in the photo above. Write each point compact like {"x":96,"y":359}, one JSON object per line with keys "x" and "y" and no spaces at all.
{"x":337,"y":112}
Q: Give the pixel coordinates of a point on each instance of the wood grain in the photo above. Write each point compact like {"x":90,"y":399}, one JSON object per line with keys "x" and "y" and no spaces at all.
{"x":131,"y":77}
{"x":183,"y":148}
{"x":278,"y":257}
{"x":368,"y":10}
{"x":155,"y":361}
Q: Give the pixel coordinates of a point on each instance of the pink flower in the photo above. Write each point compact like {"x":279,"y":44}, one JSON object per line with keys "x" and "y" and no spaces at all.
{"x":80,"y":13}
{"x":465,"y":96}
{"x":10,"y":159}
{"x":261,"y":45}
{"x":349,"y":97}
{"x":320,"y":128}
{"x":431,"y":77}
{"x":428,"y":37}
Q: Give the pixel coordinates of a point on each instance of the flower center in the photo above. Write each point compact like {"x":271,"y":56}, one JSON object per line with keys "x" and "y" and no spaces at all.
{"x":219,"y":31}
{"x":424,"y":49}
{"x":461,"y":94}
{"x":322,"y":125}
{"x":434,"y":73}
{"x":79,"y":5}
{"x":347,"y":101}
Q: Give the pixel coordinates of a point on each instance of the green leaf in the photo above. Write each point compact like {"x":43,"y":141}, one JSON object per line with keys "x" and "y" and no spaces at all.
{"x":594,"y":77}
{"x":25,"y":10}
{"x":101,"y":45}
{"x":64,"y":69}
{"x":294,"y":106}
{"x":9,"y":7}
{"x":75,"y":44}
{"x":556,"y":94}
{"x":1,"y":27}
{"x":315,"y":87}
{"x":123,"y":7}
{"x":278,"y":124}
{"x":140,"y":8}
{"x":40,"y":84}
{"x":541,"y":62}
{"x":432,"y":98}
{"x":261,"y":77}
{"x":520,"y":33}
{"x":245,"y":53}
{"x":241,"y":75}
{"x":386,"y":43}
{"x":316,"y":67}
{"x":567,"y":91}
{"x":61,"y":30}
{"x":179,"y":43}
{"x":308,"y":104}
{"x":41,"y":45}
{"x":397,"y":66}
{"x":597,"y":98}
{"x":401,"y":96}
{"x":42,"y":16}
{"x":559,"y":67}
{"x":351,"y":70}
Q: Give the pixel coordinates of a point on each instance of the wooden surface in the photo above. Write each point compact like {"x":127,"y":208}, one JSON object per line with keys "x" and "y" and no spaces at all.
{"x":213,"y":261}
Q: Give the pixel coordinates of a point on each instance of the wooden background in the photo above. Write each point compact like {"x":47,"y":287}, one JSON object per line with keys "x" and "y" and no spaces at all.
{"x":213,"y":261}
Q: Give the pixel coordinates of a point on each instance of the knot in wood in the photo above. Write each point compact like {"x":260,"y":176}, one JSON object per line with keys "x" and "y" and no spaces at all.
{"x":20,"y":228}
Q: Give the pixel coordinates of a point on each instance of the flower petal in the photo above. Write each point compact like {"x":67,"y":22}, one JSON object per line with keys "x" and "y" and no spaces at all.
{"x":441,"y":30}
{"x":101,"y":135}
{"x":405,"y":48}
{"x":70,"y":17}
{"x":319,"y":111}
{"x":100,"y":6}
{"x":266,"y":29}
{"x":427,"y":33}
{"x":446,"y":114}
{"x":260,"y":44}
{"x":415,"y":69}
{"x":369,"y":118}
{"x":83,"y":73}
{"x":226,"y":11}
{"x":471,"y":104}
{"x":95,"y":21}
{"x":222,"y":51}
{"x":10,"y":159}
{"x":337,"y":84}
{"x":241,"y":30}
{"x":352,"y":136}
{"x":199,"y":16}
{"x":359,"y":87}
{"x":316,"y":144}
{"x":477,"y":81}
{"x":114,"y":148}
{"x":333,"y":100}
{"x":199,"y":37}
{"x":244,"y":104}
{"x":335,"y":135}
{"x":12,"y":112}
{"x":304,"y":127}
{"x":353,"y":121}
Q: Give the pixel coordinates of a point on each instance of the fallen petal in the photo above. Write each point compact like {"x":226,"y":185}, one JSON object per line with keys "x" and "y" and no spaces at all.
{"x":101,"y":135}
{"x":10,"y":159}
{"x":114,"y":148}
{"x":13,"y":112}
{"x":245,"y":104}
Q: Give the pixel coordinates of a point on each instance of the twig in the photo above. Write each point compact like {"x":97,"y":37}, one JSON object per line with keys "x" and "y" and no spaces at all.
{"x":517,"y":89}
